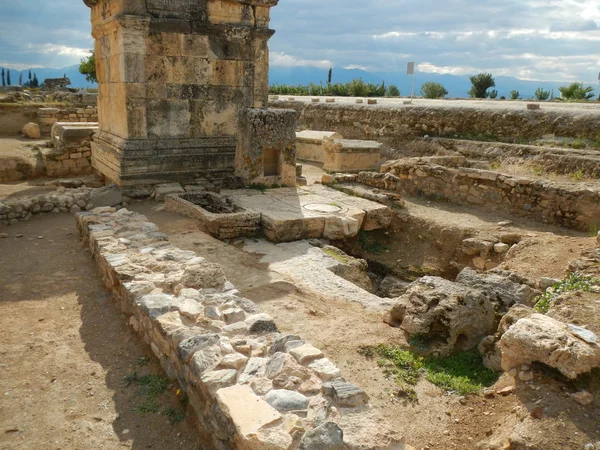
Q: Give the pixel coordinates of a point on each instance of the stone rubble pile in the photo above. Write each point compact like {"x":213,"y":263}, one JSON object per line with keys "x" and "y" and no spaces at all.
{"x":250,"y":386}
{"x":63,"y":200}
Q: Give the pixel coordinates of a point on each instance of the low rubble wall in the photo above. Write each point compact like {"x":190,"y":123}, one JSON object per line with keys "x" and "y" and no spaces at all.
{"x":47,"y":117}
{"x":395,"y":124}
{"x":250,"y":386}
{"x":571,"y":205}
{"x":551,"y":159}
{"x":71,"y":153}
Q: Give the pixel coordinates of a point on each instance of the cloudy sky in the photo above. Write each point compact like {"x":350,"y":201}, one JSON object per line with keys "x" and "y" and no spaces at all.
{"x":556,"y":40}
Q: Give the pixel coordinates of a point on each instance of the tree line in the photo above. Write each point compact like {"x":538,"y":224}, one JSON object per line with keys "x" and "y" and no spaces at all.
{"x":31,"y":82}
{"x":481,"y":87}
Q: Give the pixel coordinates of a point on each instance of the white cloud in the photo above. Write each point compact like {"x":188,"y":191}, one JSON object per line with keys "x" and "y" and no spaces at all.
{"x":356,"y":66}
{"x":18,"y":66}
{"x":284,"y":60}
{"x":62,"y":50}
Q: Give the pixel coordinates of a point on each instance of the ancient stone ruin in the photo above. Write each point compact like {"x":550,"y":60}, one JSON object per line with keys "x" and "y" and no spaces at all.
{"x":295,"y":274}
{"x":182,"y":85}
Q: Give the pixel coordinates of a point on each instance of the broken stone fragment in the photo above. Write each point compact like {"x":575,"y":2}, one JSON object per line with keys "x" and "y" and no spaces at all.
{"x":584,"y":398}
{"x":345,"y":394}
{"x":233,"y":361}
{"x":542,"y":339}
{"x":261,"y":324}
{"x":328,"y":436}
{"x":284,"y":400}
{"x":248,"y":412}
{"x":325,"y":369}
{"x":204,"y":275}
{"x":218,"y":379}
{"x":306,"y":353}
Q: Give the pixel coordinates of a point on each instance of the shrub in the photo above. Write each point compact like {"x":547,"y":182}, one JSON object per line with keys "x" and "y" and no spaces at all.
{"x":358,"y":88}
{"x":481,"y":83}
{"x":431,"y":89}
{"x":393,"y":91}
{"x":542,"y":95}
{"x":576,"y":91}
{"x":493,"y":94}
{"x":515,"y":95}
{"x":87,"y":67}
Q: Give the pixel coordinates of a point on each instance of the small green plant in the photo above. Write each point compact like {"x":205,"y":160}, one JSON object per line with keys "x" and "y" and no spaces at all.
{"x":142,"y":361}
{"x":578,"y":175}
{"x":149,"y":406}
{"x":541,"y":94}
{"x":462,"y":373}
{"x":257,"y":187}
{"x":578,"y":144}
{"x":574,"y":282}
{"x":431,"y":89}
{"x":174,"y":415}
{"x":515,"y":95}
{"x":493,"y":94}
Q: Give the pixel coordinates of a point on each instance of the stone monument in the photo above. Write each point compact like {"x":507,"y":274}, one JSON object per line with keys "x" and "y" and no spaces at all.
{"x":177,"y":79}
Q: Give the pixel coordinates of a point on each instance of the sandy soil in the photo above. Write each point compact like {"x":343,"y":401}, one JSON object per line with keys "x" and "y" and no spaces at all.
{"x":64,"y":350}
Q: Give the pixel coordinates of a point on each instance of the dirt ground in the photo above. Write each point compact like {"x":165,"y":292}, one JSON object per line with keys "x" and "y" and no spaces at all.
{"x":64,"y":351}
{"x":438,"y":421}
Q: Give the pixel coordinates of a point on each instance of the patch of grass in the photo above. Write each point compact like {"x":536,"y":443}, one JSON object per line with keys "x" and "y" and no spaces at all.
{"x":174,"y":415}
{"x":369,"y":244}
{"x":578,"y":144}
{"x":462,"y":373}
{"x":574,"y":282}
{"x":257,"y":187}
{"x":149,"y":406}
{"x":143,"y":361}
{"x":578,"y":175}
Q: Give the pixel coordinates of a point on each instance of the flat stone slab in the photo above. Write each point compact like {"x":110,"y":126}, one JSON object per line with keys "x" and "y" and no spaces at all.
{"x":316,"y":137}
{"x":248,"y":412}
{"x":290,"y":214}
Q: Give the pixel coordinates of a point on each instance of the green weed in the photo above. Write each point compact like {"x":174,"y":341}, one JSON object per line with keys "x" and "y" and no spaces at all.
{"x":574,"y":282}
{"x":462,"y":373}
{"x":174,"y":415}
{"x":149,"y":406}
{"x":578,"y":175}
{"x":257,"y":187}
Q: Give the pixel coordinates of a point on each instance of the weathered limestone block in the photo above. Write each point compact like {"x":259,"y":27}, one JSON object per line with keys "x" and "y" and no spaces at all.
{"x":444,"y":316}
{"x":540,"y":338}
{"x":342,"y":155}
{"x":174,"y":78}
{"x":266,"y":150}
{"x":310,"y":144}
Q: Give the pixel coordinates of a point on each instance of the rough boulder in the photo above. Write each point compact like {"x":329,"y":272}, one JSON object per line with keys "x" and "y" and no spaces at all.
{"x":545,"y":340}
{"x":31,"y":131}
{"x":443,"y":316}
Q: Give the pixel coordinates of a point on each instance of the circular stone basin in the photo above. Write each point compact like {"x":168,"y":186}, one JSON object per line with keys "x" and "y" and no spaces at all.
{"x":322,"y":207}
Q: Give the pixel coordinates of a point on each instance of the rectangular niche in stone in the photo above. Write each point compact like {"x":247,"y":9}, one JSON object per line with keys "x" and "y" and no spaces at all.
{"x":271,"y":162}
{"x":266,"y":147}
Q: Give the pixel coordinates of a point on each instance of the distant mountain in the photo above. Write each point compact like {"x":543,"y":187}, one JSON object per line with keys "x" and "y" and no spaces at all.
{"x":77,"y":80}
{"x":457,"y":86}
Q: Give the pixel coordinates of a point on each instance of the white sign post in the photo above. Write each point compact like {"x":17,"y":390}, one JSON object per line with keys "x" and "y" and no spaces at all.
{"x":598,"y":86}
{"x":410,"y":70}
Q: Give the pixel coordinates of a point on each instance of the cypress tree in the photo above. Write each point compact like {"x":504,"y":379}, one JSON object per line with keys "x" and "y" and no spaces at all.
{"x":3,"y":78}
{"x":20,"y":79}
{"x":35,"y":83}
{"x":8,"y":76}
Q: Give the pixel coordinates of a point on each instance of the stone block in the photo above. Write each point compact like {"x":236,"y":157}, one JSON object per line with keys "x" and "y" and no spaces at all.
{"x":342,"y":155}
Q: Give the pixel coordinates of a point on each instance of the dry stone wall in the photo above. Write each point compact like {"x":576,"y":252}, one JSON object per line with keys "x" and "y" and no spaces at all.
{"x":395,"y":124}
{"x":571,"y":205}
{"x":250,"y":386}
{"x":47,"y":117}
